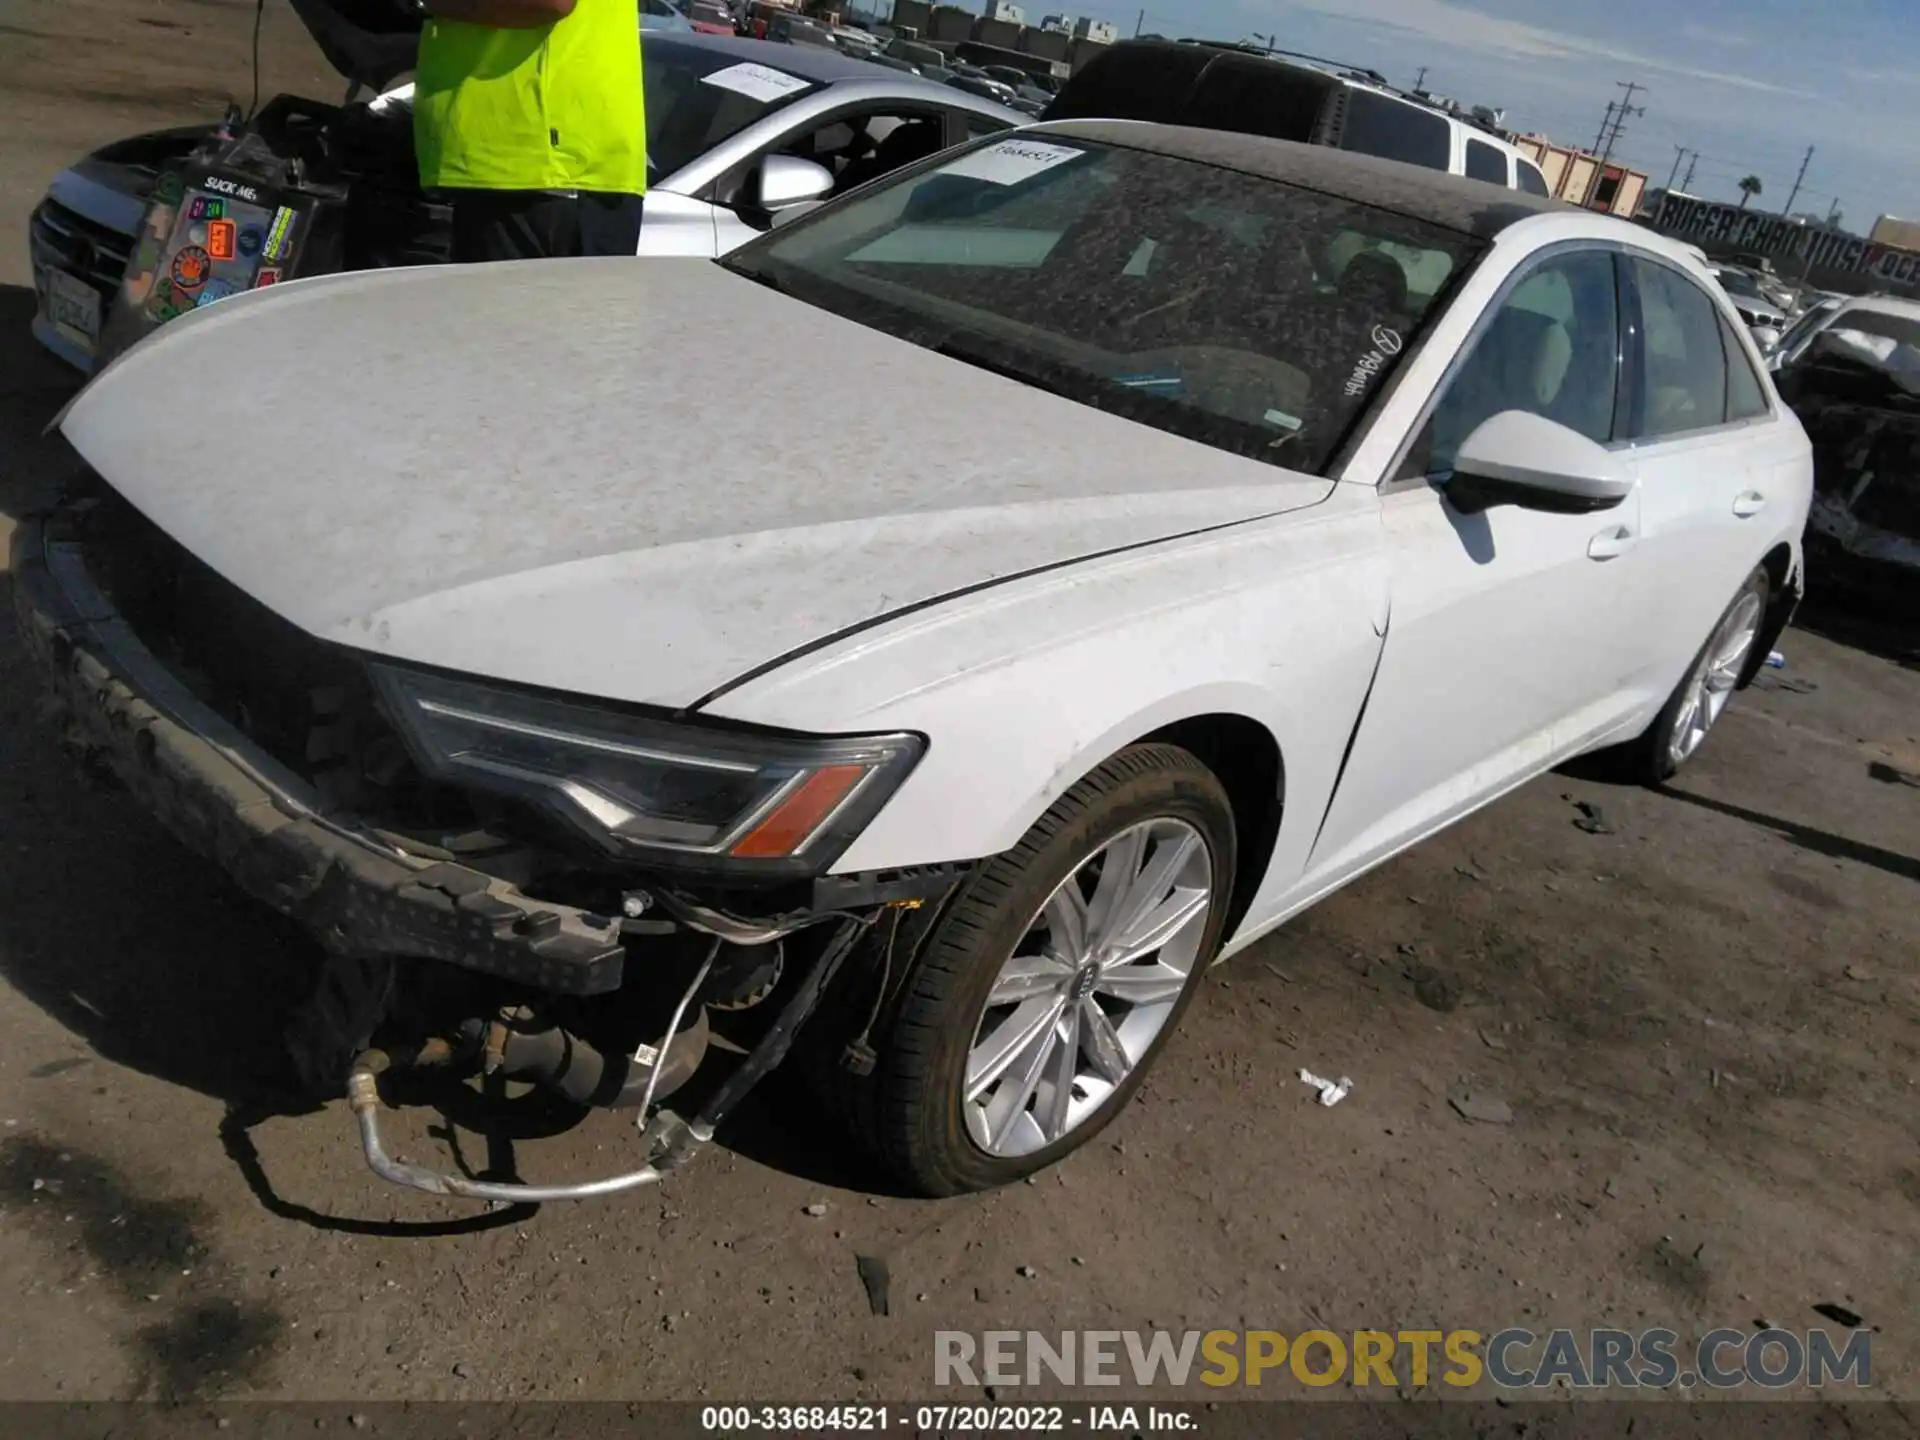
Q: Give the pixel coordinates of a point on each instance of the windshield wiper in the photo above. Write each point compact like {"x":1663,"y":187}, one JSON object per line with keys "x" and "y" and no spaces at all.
{"x":998,"y":367}
{"x":759,"y":277}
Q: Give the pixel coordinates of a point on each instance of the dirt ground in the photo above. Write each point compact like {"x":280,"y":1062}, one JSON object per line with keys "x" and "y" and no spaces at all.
{"x":1706,"y":1023}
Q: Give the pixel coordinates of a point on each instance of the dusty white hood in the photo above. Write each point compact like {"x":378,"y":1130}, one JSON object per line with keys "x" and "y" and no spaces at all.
{"x":632,"y":479}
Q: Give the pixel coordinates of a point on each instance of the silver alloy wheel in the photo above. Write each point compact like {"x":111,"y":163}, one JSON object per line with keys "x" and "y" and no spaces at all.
{"x":1711,"y":684}
{"x":1092,"y":981}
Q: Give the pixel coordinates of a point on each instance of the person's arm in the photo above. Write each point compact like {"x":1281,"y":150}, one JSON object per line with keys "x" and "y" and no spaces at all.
{"x":503,"y":14}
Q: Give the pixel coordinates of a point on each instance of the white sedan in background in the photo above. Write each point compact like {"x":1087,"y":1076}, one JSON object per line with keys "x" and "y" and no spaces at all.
{"x":741,"y":135}
{"x":1217,"y":517}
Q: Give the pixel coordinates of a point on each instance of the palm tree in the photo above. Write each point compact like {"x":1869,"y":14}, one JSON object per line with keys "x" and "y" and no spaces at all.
{"x":1749,"y":188}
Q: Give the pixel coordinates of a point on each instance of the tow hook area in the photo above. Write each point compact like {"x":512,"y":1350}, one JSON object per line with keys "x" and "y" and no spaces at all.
{"x":667,"y":1141}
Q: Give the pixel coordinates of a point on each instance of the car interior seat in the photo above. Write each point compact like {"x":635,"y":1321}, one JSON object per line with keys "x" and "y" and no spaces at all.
{"x":909,"y":141}
{"x":1373,"y":287}
{"x":1521,"y":362}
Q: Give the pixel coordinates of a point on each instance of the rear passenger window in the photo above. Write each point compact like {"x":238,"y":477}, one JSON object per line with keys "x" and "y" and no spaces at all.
{"x":1685,"y":358}
{"x":1486,"y":163}
{"x":1746,"y":396}
{"x":1531,"y":180}
{"x":1395,"y":130}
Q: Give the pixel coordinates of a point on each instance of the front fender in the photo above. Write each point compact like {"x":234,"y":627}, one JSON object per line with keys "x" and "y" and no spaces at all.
{"x":1025,"y":688}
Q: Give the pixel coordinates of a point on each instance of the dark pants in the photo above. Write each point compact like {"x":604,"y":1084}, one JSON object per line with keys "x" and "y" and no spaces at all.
{"x":531,"y":225}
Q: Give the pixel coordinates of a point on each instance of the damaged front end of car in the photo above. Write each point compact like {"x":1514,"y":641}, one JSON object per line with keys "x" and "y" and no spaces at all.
{"x":1861,"y":409}
{"x":517,"y":885}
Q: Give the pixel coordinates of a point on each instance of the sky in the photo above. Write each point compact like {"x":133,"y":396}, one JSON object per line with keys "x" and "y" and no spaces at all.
{"x":1748,"y":84}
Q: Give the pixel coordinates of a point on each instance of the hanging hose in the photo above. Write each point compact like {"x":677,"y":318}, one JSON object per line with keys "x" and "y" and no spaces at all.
{"x":363,"y":1095}
{"x":673,"y":1139}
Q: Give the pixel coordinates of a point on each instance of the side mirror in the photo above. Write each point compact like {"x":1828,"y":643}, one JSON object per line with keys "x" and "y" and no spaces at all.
{"x":1767,"y":337}
{"x":1518,"y":458}
{"x":786,"y":181}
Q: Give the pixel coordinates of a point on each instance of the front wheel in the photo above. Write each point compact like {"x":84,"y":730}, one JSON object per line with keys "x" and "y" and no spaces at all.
{"x":1032,"y":1012}
{"x":1696,"y":705}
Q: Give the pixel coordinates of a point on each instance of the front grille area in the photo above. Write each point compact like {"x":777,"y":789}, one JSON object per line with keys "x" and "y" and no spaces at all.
{"x":306,"y":703}
{"x":83,"y":248}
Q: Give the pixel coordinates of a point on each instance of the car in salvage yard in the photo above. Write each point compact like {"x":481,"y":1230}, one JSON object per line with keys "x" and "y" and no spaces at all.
{"x":1853,"y":377}
{"x":1233,"y":87}
{"x":740,"y":133}
{"x":1327,"y":500}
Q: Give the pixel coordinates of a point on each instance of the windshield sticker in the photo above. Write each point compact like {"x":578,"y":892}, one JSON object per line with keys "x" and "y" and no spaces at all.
{"x":1386,"y":345}
{"x":757,"y":82}
{"x":1283,"y":420}
{"x":1011,"y":161}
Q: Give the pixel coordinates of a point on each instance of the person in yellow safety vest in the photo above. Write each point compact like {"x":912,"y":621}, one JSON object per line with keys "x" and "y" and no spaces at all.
{"x":529,"y":115}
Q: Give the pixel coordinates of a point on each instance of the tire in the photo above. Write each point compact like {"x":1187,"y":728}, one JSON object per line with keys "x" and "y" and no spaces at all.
{"x":911,"y":1114}
{"x":1661,"y":750}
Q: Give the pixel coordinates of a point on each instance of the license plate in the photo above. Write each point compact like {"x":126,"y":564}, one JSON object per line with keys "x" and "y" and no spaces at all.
{"x":71,"y":306}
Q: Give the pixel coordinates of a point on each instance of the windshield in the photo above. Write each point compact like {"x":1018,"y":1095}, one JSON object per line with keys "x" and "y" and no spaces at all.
{"x":1813,"y":320}
{"x":915,"y":54}
{"x":1237,"y":311}
{"x":1738,"y":282}
{"x":697,"y":98}
{"x":1881,"y":325}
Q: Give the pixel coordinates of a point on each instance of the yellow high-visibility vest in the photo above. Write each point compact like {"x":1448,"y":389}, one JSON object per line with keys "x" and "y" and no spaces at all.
{"x":553,"y":107}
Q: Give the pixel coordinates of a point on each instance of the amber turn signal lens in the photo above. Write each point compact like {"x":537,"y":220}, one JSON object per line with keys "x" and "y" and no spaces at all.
{"x":794,"y":819}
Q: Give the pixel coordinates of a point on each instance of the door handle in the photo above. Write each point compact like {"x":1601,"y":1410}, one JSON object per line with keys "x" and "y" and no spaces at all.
{"x":1610,"y":544}
{"x":1749,"y":503}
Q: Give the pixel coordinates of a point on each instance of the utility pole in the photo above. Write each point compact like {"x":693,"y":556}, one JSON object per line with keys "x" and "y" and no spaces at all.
{"x":1679,"y":154}
{"x":1686,"y":185}
{"x":1807,"y":160}
{"x":1139,"y":24}
{"x":1620,"y":113}
{"x":1420,"y":80}
{"x":1605,"y":125}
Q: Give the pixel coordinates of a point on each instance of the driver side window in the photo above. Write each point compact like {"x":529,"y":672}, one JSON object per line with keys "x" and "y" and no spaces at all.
{"x":1551,"y":348}
{"x":854,"y":147}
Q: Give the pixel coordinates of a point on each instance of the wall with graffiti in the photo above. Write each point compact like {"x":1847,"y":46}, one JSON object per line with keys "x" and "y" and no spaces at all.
{"x":1826,"y":257}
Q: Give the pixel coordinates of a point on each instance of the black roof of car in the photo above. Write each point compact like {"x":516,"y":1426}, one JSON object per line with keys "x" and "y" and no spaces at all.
{"x":821,"y":64}
{"x":1453,"y":202}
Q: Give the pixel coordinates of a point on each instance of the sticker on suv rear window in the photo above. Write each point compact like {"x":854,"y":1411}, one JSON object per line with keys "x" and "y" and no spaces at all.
{"x":756,"y":82}
{"x":1010,"y":161}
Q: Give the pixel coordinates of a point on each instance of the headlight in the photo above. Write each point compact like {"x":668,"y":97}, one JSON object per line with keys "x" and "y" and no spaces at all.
{"x":635,"y":785}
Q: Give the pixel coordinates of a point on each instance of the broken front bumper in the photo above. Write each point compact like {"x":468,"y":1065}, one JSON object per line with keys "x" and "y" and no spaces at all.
{"x":227,"y":799}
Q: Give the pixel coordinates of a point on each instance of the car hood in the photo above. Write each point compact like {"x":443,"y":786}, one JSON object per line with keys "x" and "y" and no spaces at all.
{"x":634,"y":479}
{"x":371,"y":41}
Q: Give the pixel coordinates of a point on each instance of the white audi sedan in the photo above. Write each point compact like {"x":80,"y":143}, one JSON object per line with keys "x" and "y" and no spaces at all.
{"x":947,"y":624}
